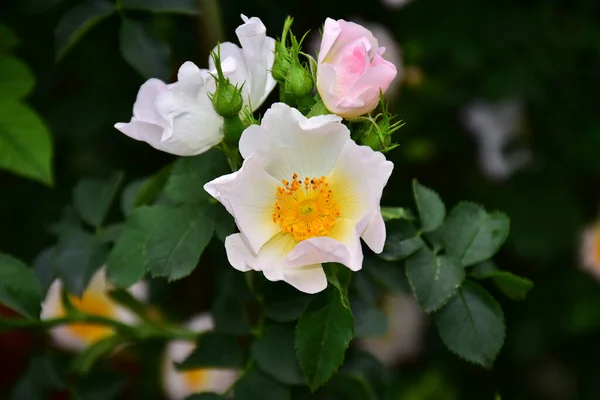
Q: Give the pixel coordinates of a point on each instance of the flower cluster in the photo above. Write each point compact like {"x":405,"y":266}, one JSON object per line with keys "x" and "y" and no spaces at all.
{"x":306,"y":191}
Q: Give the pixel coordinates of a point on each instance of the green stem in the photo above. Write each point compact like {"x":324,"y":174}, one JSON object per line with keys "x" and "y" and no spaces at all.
{"x":211,"y":24}
{"x":142,"y":331}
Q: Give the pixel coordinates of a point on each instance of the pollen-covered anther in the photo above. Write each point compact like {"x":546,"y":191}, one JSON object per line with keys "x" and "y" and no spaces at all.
{"x":305,"y":208}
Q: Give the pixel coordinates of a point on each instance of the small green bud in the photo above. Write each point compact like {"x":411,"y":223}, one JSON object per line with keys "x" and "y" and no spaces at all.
{"x":282,"y":63}
{"x":227,"y":99}
{"x":298,"y":82}
{"x":375,"y":142}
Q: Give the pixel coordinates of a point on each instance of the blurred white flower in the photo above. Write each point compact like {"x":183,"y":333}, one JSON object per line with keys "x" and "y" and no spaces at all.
{"x":181,"y":384}
{"x":589,"y":251}
{"x":495,"y":125}
{"x":305,"y":195}
{"x":395,"y":3}
{"x":179,"y":118}
{"x":406,"y":327}
{"x":94,"y":301}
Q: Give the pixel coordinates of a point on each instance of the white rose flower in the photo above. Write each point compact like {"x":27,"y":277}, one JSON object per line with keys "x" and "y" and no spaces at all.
{"x":94,"y":301}
{"x":304,"y":196}
{"x":589,"y":250}
{"x":179,"y":118}
{"x":181,"y":384}
{"x":403,"y":340}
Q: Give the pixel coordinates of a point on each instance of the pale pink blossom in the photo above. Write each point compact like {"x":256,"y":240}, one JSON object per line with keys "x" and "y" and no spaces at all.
{"x":351,"y":70}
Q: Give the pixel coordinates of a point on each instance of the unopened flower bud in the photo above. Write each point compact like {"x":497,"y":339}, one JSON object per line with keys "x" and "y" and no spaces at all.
{"x":282,"y":63}
{"x":298,"y":82}
{"x":227,"y":99}
{"x":374,"y":141}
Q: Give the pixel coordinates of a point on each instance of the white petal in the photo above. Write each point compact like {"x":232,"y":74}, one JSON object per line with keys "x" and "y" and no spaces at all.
{"x":271,"y":261}
{"x":239,"y":254}
{"x":259,"y":53}
{"x":201,"y":323}
{"x":308,"y":278}
{"x":374,"y":233}
{"x":190,"y":75}
{"x":233,"y":64}
{"x":144,"y":108}
{"x":357,"y":180}
{"x":147,"y":124}
{"x":250,"y":196}
{"x":52,"y":308}
{"x":193,"y":126}
{"x":342,"y":245}
{"x":287,"y":142}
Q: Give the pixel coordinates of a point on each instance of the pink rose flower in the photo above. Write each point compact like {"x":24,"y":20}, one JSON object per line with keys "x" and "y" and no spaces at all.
{"x":351,"y":70}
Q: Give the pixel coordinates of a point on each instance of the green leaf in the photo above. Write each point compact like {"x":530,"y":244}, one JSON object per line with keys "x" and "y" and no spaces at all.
{"x":391,"y":213}
{"x":126,"y":299}
{"x":473,"y":235}
{"x":386,"y":274}
{"x":214,"y":350}
{"x":84,"y":361}
{"x":274,"y":354}
{"x":43,"y":267}
{"x":76,"y":22}
{"x":229,"y":315}
{"x":369,"y":320}
{"x":92,"y":198}
{"x":339,"y":276}
{"x":205,"y":396}
{"x":144,"y":191}
{"x":100,"y":386}
{"x":402,"y":240}
{"x":431,"y":208}
{"x":43,"y":376}
{"x":161,"y":240}
{"x":148,"y":55}
{"x":189,"y":7}
{"x":513,"y":286}
{"x":8,"y":38}
{"x":350,"y":387}
{"x":186,"y":182}
{"x":284,"y":303}
{"x":177,"y":239}
{"x":20,"y":289}
{"x":471,"y":325}
{"x":77,"y":257}
{"x":111,"y":233}
{"x":224,"y":223}
{"x":127,"y":262}
{"x":323,"y":334}
{"x":256,"y":385}
{"x":433,"y":278}
{"x":16,"y":80}
{"x":25,"y":145}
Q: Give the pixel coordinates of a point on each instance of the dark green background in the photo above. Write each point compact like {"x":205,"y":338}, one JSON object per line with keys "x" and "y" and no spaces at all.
{"x":544,"y":52}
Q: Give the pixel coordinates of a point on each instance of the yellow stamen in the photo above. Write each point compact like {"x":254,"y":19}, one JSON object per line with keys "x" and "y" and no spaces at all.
{"x":94,"y":304}
{"x":305,"y":208}
{"x":194,"y":379}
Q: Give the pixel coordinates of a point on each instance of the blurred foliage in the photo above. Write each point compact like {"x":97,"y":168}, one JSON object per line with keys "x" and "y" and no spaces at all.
{"x":545,"y":53}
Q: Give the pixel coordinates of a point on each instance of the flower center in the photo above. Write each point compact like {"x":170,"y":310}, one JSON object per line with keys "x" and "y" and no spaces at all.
{"x":194,"y":379}
{"x":93,"y":304}
{"x":305,"y":209}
